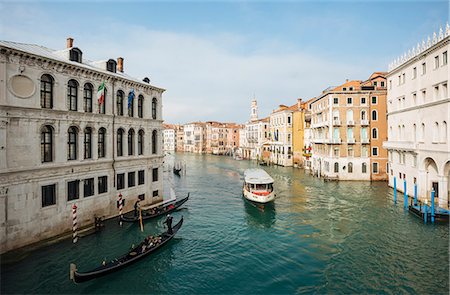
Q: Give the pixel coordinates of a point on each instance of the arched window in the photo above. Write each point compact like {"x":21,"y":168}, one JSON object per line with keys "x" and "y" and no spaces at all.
{"x":363,"y":115}
{"x":374,"y":115}
{"x":374,"y":133}
{"x":72,"y":143}
{"x":130,"y":142}
{"x":88,"y":98}
{"x":444,"y":132}
{"x":436,"y":132}
{"x":120,"y":142}
{"x":140,"y":106}
{"x":87,"y":143}
{"x":102,"y":143}
{"x":154,"y":105}
{"x":336,"y":167}
{"x":120,"y":96}
{"x":47,"y":144}
{"x":72,"y":95}
{"x":422,"y":132}
{"x":141,"y":142}
{"x":399,"y":132}
{"x":47,"y":91}
{"x":350,"y":167}
{"x":111,"y":66}
{"x":364,"y":168}
{"x":349,"y":115}
{"x":75,"y":54}
{"x":130,"y":105}
{"x":154,"y":141}
{"x":101,"y":104}
{"x":414,"y":133}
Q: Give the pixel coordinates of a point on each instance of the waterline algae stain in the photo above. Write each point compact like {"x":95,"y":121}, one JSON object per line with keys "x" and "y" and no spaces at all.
{"x":317,"y":237}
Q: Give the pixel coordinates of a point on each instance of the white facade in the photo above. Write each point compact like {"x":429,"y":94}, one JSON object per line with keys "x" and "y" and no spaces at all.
{"x":169,"y":139}
{"x":418,"y":119}
{"x":281,"y":131}
{"x":53,"y":158}
{"x":194,"y":141}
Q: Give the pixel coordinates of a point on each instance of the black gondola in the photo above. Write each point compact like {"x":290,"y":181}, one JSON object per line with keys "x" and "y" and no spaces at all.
{"x":177,"y":171}
{"x":154,"y":212}
{"x":132,"y":256}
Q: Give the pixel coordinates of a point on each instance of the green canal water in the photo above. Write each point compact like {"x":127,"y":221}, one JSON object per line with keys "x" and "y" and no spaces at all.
{"x":319,"y":237}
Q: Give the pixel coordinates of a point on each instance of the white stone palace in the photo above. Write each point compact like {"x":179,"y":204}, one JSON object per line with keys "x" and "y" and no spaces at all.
{"x":60,"y":146}
{"x":418,"y":117}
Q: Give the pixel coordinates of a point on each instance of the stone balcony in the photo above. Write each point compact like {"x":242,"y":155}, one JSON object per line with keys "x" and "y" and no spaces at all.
{"x":400,"y":145}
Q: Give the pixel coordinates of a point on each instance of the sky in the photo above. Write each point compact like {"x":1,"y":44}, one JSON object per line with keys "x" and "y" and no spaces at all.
{"x":214,"y":57}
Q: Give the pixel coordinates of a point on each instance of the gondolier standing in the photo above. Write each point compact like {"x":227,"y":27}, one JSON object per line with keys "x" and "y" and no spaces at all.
{"x":169,"y":224}
{"x":136,"y":207}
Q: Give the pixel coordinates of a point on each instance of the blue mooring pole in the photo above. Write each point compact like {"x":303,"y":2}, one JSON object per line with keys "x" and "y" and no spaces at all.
{"x":405,"y":197}
{"x":425,"y":213}
{"x":395,"y":189}
{"x":432,"y":206}
{"x":415,"y":194}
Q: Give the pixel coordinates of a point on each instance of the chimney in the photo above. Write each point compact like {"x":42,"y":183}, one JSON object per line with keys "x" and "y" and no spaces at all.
{"x":346,"y":80}
{"x":120,"y":64}
{"x":69,"y":42}
{"x":299,"y":103}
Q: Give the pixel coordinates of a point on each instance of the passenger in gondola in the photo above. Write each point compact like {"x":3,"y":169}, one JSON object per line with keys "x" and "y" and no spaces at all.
{"x":136,"y":207}
{"x":169,"y":224}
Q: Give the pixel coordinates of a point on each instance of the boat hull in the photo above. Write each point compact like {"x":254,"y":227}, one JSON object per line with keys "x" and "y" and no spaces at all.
{"x":260,"y":199}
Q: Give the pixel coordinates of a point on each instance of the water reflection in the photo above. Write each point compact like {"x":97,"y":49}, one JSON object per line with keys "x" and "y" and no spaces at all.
{"x":260,"y":216}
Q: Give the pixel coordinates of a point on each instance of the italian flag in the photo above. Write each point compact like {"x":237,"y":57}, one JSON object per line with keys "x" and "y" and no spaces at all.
{"x":101,"y":93}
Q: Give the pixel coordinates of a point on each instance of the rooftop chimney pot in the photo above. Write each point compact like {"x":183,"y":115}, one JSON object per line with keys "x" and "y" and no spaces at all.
{"x":69,"y":42}
{"x":120,"y":64}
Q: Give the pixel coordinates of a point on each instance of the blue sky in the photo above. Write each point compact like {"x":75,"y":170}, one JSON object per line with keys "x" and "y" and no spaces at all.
{"x":212,"y":57}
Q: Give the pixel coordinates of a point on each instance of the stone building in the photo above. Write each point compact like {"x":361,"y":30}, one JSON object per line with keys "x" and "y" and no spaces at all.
{"x":195,"y":137}
{"x":418,"y":118}
{"x":281,"y":119}
{"x":169,"y":137}
{"x":61,"y":146}
{"x":348,"y":125}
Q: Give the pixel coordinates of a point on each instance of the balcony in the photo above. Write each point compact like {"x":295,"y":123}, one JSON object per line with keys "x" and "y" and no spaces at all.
{"x":400,"y":145}
{"x":364,"y":140}
{"x":319,"y":140}
{"x":336,"y":122}
{"x":364,"y":122}
{"x":350,"y":123}
{"x":335,"y":140}
{"x":350,"y":140}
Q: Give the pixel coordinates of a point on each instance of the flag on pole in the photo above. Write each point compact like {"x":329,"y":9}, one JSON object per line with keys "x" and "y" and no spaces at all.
{"x":130,"y":97}
{"x":101,"y":94}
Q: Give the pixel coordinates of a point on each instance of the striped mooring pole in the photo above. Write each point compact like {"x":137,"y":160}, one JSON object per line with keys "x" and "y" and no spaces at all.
{"x":74,"y":224}
{"x":395,"y":189}
{"x":405,"y":197}
{"x":120,"y":208}
{"x":415,"y":194}
{"x":432,"y":205}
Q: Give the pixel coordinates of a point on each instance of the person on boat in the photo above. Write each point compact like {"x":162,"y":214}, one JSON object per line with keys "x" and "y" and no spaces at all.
{"x":136,"y":207}
{"x":169,"y":224}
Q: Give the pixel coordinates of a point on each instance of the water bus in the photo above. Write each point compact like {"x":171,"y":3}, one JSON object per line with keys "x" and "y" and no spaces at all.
{"x":258,"y":186}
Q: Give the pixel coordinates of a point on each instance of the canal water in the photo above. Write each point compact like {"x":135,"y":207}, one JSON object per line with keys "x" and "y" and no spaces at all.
{"x":318,"y":237}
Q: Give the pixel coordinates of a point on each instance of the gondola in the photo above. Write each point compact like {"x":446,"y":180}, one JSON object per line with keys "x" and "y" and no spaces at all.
{"x":177,"y":171}
{"x":154,"y":212}
{"x":132,"y":256}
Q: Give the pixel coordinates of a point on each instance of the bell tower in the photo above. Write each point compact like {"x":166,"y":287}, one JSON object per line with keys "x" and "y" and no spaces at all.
{"x":254,"y":111}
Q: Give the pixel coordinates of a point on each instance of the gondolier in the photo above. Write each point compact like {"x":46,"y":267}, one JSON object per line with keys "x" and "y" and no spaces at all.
{"x":136,"y":207}
{"x":169,"y":224}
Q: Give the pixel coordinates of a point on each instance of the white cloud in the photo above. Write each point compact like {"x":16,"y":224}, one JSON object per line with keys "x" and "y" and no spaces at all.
{"x":205,"y":76}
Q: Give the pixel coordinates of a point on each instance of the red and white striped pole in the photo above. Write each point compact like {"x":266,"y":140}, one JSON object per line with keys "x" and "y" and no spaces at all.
{"x":74,"y":224}
{"x":120,"y":208}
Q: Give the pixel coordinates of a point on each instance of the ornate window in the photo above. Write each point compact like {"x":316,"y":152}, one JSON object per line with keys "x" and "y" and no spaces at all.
{"x":141,"y":142}
{"x":140,"y":106}
{"x":120,"y":96}
{"x":374,"y":133}
{"x":72,"y":143}
{"x":130,"y":142}
{"x":364,"y":168}
{"x":72,"y":95}
{"x":88,"y":143}
{"x":130,"y":105}
{"x":374,"y":115}
{"x":350,"y":167}
{"x":154,"y":105}
{"x":154,"y":141}
{"x":88,"y":98}
{"x":47,"y":144}
{"x":336,"y":167}
{"x":102,"y":143}
{"x":47,"y":91}
{"x":120,"y":142}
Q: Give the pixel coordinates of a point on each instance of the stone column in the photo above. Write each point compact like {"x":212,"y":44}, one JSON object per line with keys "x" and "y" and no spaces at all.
{"x":443,"y":191}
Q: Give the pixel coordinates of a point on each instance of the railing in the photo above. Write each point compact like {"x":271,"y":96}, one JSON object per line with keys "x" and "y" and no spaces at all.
{"x":364,"y":122}
{"x":365,"y":140}
{"x":350,"y":140}
{"x":335,"y":140}
{"x":350,"y":123}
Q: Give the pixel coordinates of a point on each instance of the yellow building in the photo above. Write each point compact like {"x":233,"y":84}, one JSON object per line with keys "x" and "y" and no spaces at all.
{"x":298,"y":133}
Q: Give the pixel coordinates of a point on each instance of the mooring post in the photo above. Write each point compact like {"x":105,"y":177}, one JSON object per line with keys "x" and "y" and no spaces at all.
{"x":405,"y":197}
{"x":74,"y":224}
{"x":425,"y":211}
{"x":432,"y":205}
{"x":415,"y":194}
{"x":395,"y":189}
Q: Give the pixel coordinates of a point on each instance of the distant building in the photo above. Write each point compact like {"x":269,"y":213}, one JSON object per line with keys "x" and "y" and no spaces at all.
{"x":256,"y":135}
{"x":298,"y":133}
{"x":179,"y":143}
{"x":194,"y":137}
{"x":169,"y":137}
{"x":348,"y":127}
{"x":418,"y":117}
{"x":281,"y":144}
{"x":62,"y":146}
